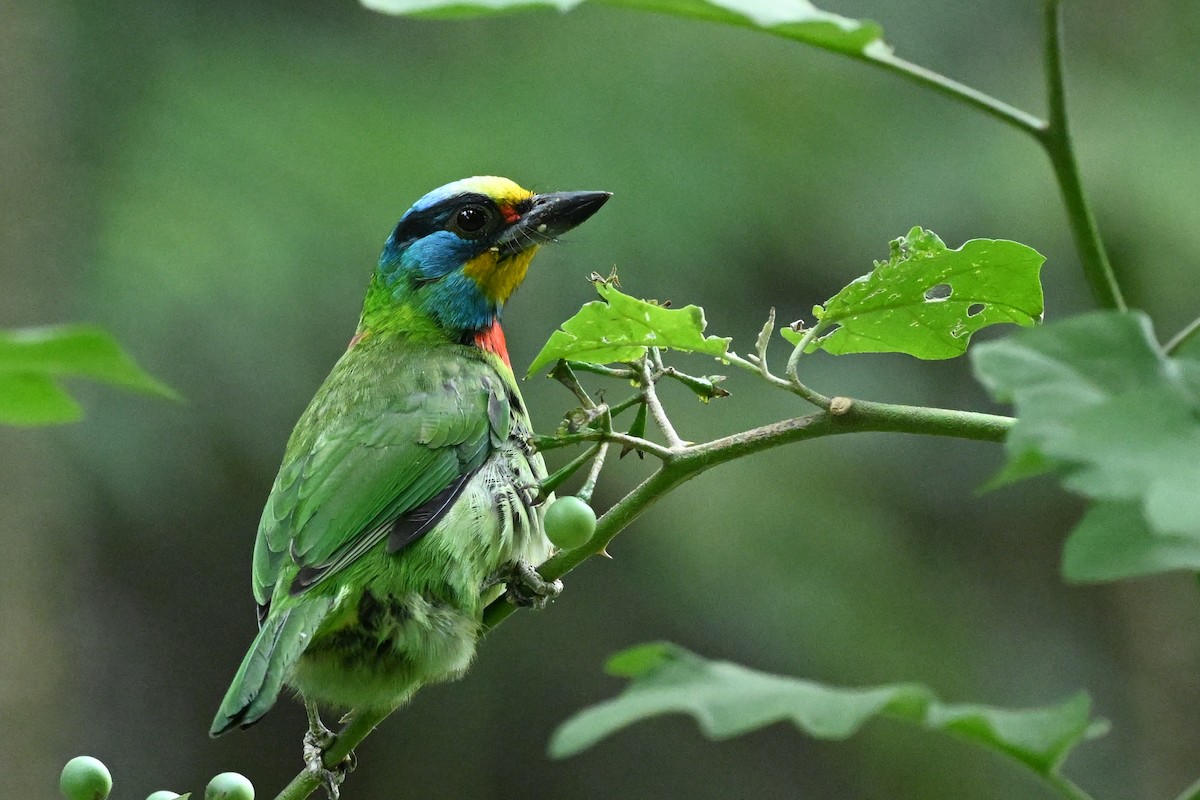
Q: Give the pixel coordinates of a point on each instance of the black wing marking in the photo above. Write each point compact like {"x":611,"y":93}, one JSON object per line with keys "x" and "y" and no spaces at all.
{"x":416,"y":523}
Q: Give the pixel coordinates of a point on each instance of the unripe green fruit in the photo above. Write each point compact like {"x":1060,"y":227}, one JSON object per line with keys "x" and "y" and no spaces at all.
{"x":229,"y":786}
{"x":163,"y":794}
{"x":85,"y":778}
{"x":570,"y":522}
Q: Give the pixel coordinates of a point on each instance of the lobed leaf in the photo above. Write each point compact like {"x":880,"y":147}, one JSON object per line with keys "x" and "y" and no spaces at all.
{"x":32,"y":360}
{"x":1113,"y":542}
{"x":620,"y":328}
{"x":1101,"y":405}
{"x":728,"y":700}
{"x":927,"y":300}
{"x":799,"y":20}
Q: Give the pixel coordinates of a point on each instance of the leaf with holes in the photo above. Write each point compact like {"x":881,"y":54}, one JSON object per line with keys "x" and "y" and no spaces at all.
{"x":33,"y":360}
{"x":927,"y":300}
{"x":1101,"y":405}
{"x":798,"y":20}
{"x":728,"y":700}
{"x":620,"y":328}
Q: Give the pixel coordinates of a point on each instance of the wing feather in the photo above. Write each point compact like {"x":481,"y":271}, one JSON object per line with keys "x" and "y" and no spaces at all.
{"x":360,"y":469}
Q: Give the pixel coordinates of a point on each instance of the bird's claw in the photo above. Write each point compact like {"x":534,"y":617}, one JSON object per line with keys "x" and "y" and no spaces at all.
{"x":316,"y":743}
{"x":531,"y":495}
{"x":528,"y":589}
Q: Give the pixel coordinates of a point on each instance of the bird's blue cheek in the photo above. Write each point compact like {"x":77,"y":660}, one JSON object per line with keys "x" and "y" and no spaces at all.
{"x":435,"y":264}
{"x":437,"y":255}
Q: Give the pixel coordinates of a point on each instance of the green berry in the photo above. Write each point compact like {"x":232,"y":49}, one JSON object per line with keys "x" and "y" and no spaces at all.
{"x":229,"y":786}
{"x":163,"y":794}
{"x":85,"y":778}
{"x":570,"y":522}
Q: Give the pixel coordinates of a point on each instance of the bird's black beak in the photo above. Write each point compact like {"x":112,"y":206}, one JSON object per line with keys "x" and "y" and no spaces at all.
{"x":550,"y":216}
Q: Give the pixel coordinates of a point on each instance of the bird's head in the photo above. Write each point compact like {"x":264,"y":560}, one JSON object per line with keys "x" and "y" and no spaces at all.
{"x":461,"y":251}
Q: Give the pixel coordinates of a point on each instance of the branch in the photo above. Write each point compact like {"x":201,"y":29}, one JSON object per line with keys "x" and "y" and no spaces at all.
{"x":1055,"y":138}
{"x":357,"y":728}
{"x":1053,"y":134}
{"x":846,"y":416}
{"x":552,"y":482}
{"x":589,"y":485}
{"x":1181,"y":338}
{"x":563,"y":373}
{"x":544,"y":443}
{"x":681,"y":465}
{"x":657,"y":411}
{"x":1009,"y":115}
{"x":759,"y":367}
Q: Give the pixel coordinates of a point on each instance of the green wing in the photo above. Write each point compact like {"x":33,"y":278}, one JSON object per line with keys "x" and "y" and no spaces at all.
{"x":361,"y":460}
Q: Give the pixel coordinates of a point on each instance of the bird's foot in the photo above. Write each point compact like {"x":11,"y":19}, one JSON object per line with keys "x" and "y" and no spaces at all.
{"x":531,"y":495}
{"x":526,"y":588}
{"x":317,"y":742}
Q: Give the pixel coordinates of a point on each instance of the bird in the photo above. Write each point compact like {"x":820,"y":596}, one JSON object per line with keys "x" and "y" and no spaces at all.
{"x":407,"y":499}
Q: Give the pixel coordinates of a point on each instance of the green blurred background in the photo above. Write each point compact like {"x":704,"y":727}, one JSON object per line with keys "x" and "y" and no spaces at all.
{"x":212,"y":182}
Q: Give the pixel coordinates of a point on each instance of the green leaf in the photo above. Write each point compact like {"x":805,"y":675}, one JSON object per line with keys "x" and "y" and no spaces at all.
{"x":32,"y":399}
{"x":927,"y":300}
{"x":799,"y":20}
{"x":728,"y":700}
{"x":620,"y":328}
{"x":1113,"y":542}
{"x":32,"y":360}
{"x":1190,"y":793}
{"x":1100,"y":404}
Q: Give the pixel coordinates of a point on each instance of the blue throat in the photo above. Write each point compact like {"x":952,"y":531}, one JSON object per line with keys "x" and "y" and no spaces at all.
{"x":430,"y":270}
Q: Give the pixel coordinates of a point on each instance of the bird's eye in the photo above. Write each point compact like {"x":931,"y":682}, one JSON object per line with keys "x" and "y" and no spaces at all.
{"x":471,"y":219}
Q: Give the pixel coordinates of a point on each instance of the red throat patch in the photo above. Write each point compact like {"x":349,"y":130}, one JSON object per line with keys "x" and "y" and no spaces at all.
{"x":492,"y":340}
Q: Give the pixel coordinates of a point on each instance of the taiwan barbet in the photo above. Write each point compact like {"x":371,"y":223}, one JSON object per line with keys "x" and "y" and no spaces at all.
{"x":407,"y":496}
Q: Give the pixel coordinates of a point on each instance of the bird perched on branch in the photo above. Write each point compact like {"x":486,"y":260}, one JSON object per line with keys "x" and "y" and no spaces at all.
{"x":405,"y":501}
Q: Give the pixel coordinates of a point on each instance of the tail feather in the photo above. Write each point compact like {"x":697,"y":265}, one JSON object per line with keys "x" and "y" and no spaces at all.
{"x":260,"y":678}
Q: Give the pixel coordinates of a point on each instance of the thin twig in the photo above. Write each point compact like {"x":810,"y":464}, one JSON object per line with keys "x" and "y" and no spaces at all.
{"x":681,"y":466}
{"x":1010,"y":115}
{"x":543,"y":443}
{"x":1065,"y":787}
{"x":563,"y":373}
{"x":674,"y":442}
{"x":758,"y":364}
{"x":560,"y":476}
{"x":606,"y":371}
{"x":1055,"y":138}
{"x":627,"y":403}
{"x":589,"y":486}
{"x":1181,"y":338}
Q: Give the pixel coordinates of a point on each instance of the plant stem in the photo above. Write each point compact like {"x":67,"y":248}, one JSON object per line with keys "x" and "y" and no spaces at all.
{"x":601,"y":369}
{"x":543,"y":443}
{"x":628,"y":402}
{"x":1065,"y":787}
{"x":355,"y":730}
{"x":1190,"y":793}
{"x":1010,"y":115}
{"x":563,"y":373}
{"x":654,"y":405}
{"x":589,"y":485}
{"x":854,"y":416}
{"x":1055,"y":138}
{"x":683,"y":464}
{"x":1181,"y":338}
{"x":552,"y":482}
{"x":794,"y":386}
{"x":811,"y":395}
{"x":1053,"y":134}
